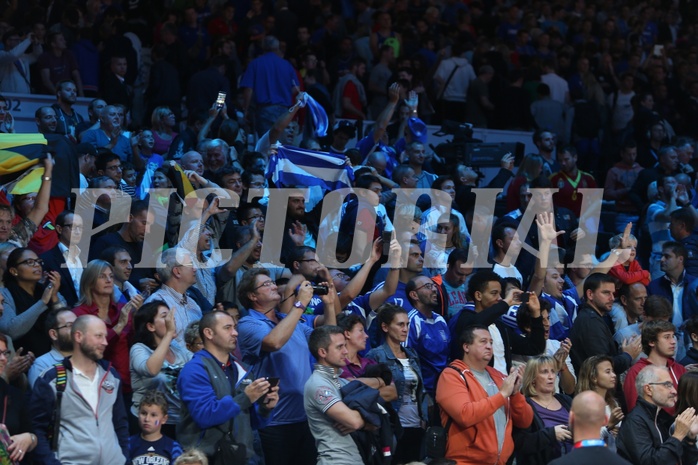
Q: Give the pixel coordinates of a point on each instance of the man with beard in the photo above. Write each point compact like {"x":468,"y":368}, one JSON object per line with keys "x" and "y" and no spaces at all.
{"x":590,"y":335}
{"x":68,"y":118}
{"x":428,"y":332}
{"x":91,"y":417}
{"x":58,"y":325}
{"x":651,"y":436}
{"x":46,"y":121}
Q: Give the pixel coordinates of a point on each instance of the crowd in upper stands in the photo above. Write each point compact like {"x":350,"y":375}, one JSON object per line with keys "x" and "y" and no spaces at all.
{"x":210,"y":354}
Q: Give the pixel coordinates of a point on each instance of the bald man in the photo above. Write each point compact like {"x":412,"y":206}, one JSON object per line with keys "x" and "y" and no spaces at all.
{"x":93,"y":427}
{"x":587,"y":416}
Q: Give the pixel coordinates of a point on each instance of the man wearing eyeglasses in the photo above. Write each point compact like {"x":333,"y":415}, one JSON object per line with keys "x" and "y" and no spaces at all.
{"x":58,"y":325}
{"x":65,"y":256}
{"x":276,"y":344}
{"x":646,"y":434}
{"x":429,"y":334}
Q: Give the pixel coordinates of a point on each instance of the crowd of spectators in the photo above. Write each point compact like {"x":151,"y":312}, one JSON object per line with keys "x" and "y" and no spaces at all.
{"x":212,"y":354}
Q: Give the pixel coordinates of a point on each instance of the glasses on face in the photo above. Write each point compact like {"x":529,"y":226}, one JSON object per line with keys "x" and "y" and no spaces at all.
{"x":666,"y":384}
{"x":429,"y":286}
{"x":76,"y":228}
{"x":32,"y":262}
{"x":5,"y":353}
{"x":265,"y":284}
{"x":67,"y":325}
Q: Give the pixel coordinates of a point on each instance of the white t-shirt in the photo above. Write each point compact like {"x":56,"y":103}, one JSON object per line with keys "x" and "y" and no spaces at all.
{"x":558,"y":86}
{"x":508,"y":272}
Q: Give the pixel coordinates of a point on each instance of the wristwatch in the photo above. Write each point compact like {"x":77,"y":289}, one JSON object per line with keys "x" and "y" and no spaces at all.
{"x":299,"y":304}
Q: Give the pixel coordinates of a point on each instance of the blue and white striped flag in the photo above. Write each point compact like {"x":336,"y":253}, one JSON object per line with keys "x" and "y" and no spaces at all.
{"x":318,"y":171}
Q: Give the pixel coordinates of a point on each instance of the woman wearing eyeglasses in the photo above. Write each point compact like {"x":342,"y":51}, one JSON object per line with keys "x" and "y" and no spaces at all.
{"x":28,"y":294}
{"x":13,"y":414}
{"x":403,"y":362}
{"x":97,"y":298}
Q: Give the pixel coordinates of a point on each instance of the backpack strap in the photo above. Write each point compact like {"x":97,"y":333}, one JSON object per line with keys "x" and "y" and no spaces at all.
{"x":61,"y":381}
{"x":448,"y":81}
{"x":447,"y":426}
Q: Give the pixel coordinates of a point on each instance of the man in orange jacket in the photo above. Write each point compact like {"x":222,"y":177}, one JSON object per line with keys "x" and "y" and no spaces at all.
{"x":482,"y":403}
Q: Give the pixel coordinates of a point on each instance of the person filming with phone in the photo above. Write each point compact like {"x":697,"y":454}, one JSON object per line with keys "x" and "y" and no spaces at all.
{"x":483,"y":404}
{"x":218,"y":397}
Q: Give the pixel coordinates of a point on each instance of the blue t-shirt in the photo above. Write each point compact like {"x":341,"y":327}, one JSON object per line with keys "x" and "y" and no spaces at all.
{"x":562,"y":313}
{"x":272,"y":78}
{"x":98,"y":138}
{"x":291,"y":363}
{"x":164,"y":451}
{"x":430,"y":337}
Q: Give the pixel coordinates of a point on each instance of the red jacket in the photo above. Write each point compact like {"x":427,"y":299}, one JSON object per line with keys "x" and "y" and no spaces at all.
{"x":676,"y":370}
{"x":117,"y":351}
{"x":472,"y":438}
{"x":634,"y":273}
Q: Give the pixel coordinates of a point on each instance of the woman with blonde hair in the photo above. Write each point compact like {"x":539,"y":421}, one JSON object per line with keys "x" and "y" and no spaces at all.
{"x":596,"y":374}
{"x":162,"y":121}
{"x":97,"y":298}
{"x":548,"y":436}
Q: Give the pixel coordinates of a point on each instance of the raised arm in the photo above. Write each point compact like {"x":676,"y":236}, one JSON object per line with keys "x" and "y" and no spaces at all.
{"x":238,"y":258}
{"x":546,"y":235}
{"x":353,"y":288}
{"x":285,"y":119}
{"x":379,"y":296}
{"x":282,"y":332}
{"x":42,"y":198}
{"x":387,"y":114}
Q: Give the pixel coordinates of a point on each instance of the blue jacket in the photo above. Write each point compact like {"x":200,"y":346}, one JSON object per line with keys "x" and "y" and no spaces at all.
{"x":82,"y":438}
{"x":206,"y":415}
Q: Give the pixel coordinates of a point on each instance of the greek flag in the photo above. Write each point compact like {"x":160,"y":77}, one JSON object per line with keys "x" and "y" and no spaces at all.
{"x":318,"y":171}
